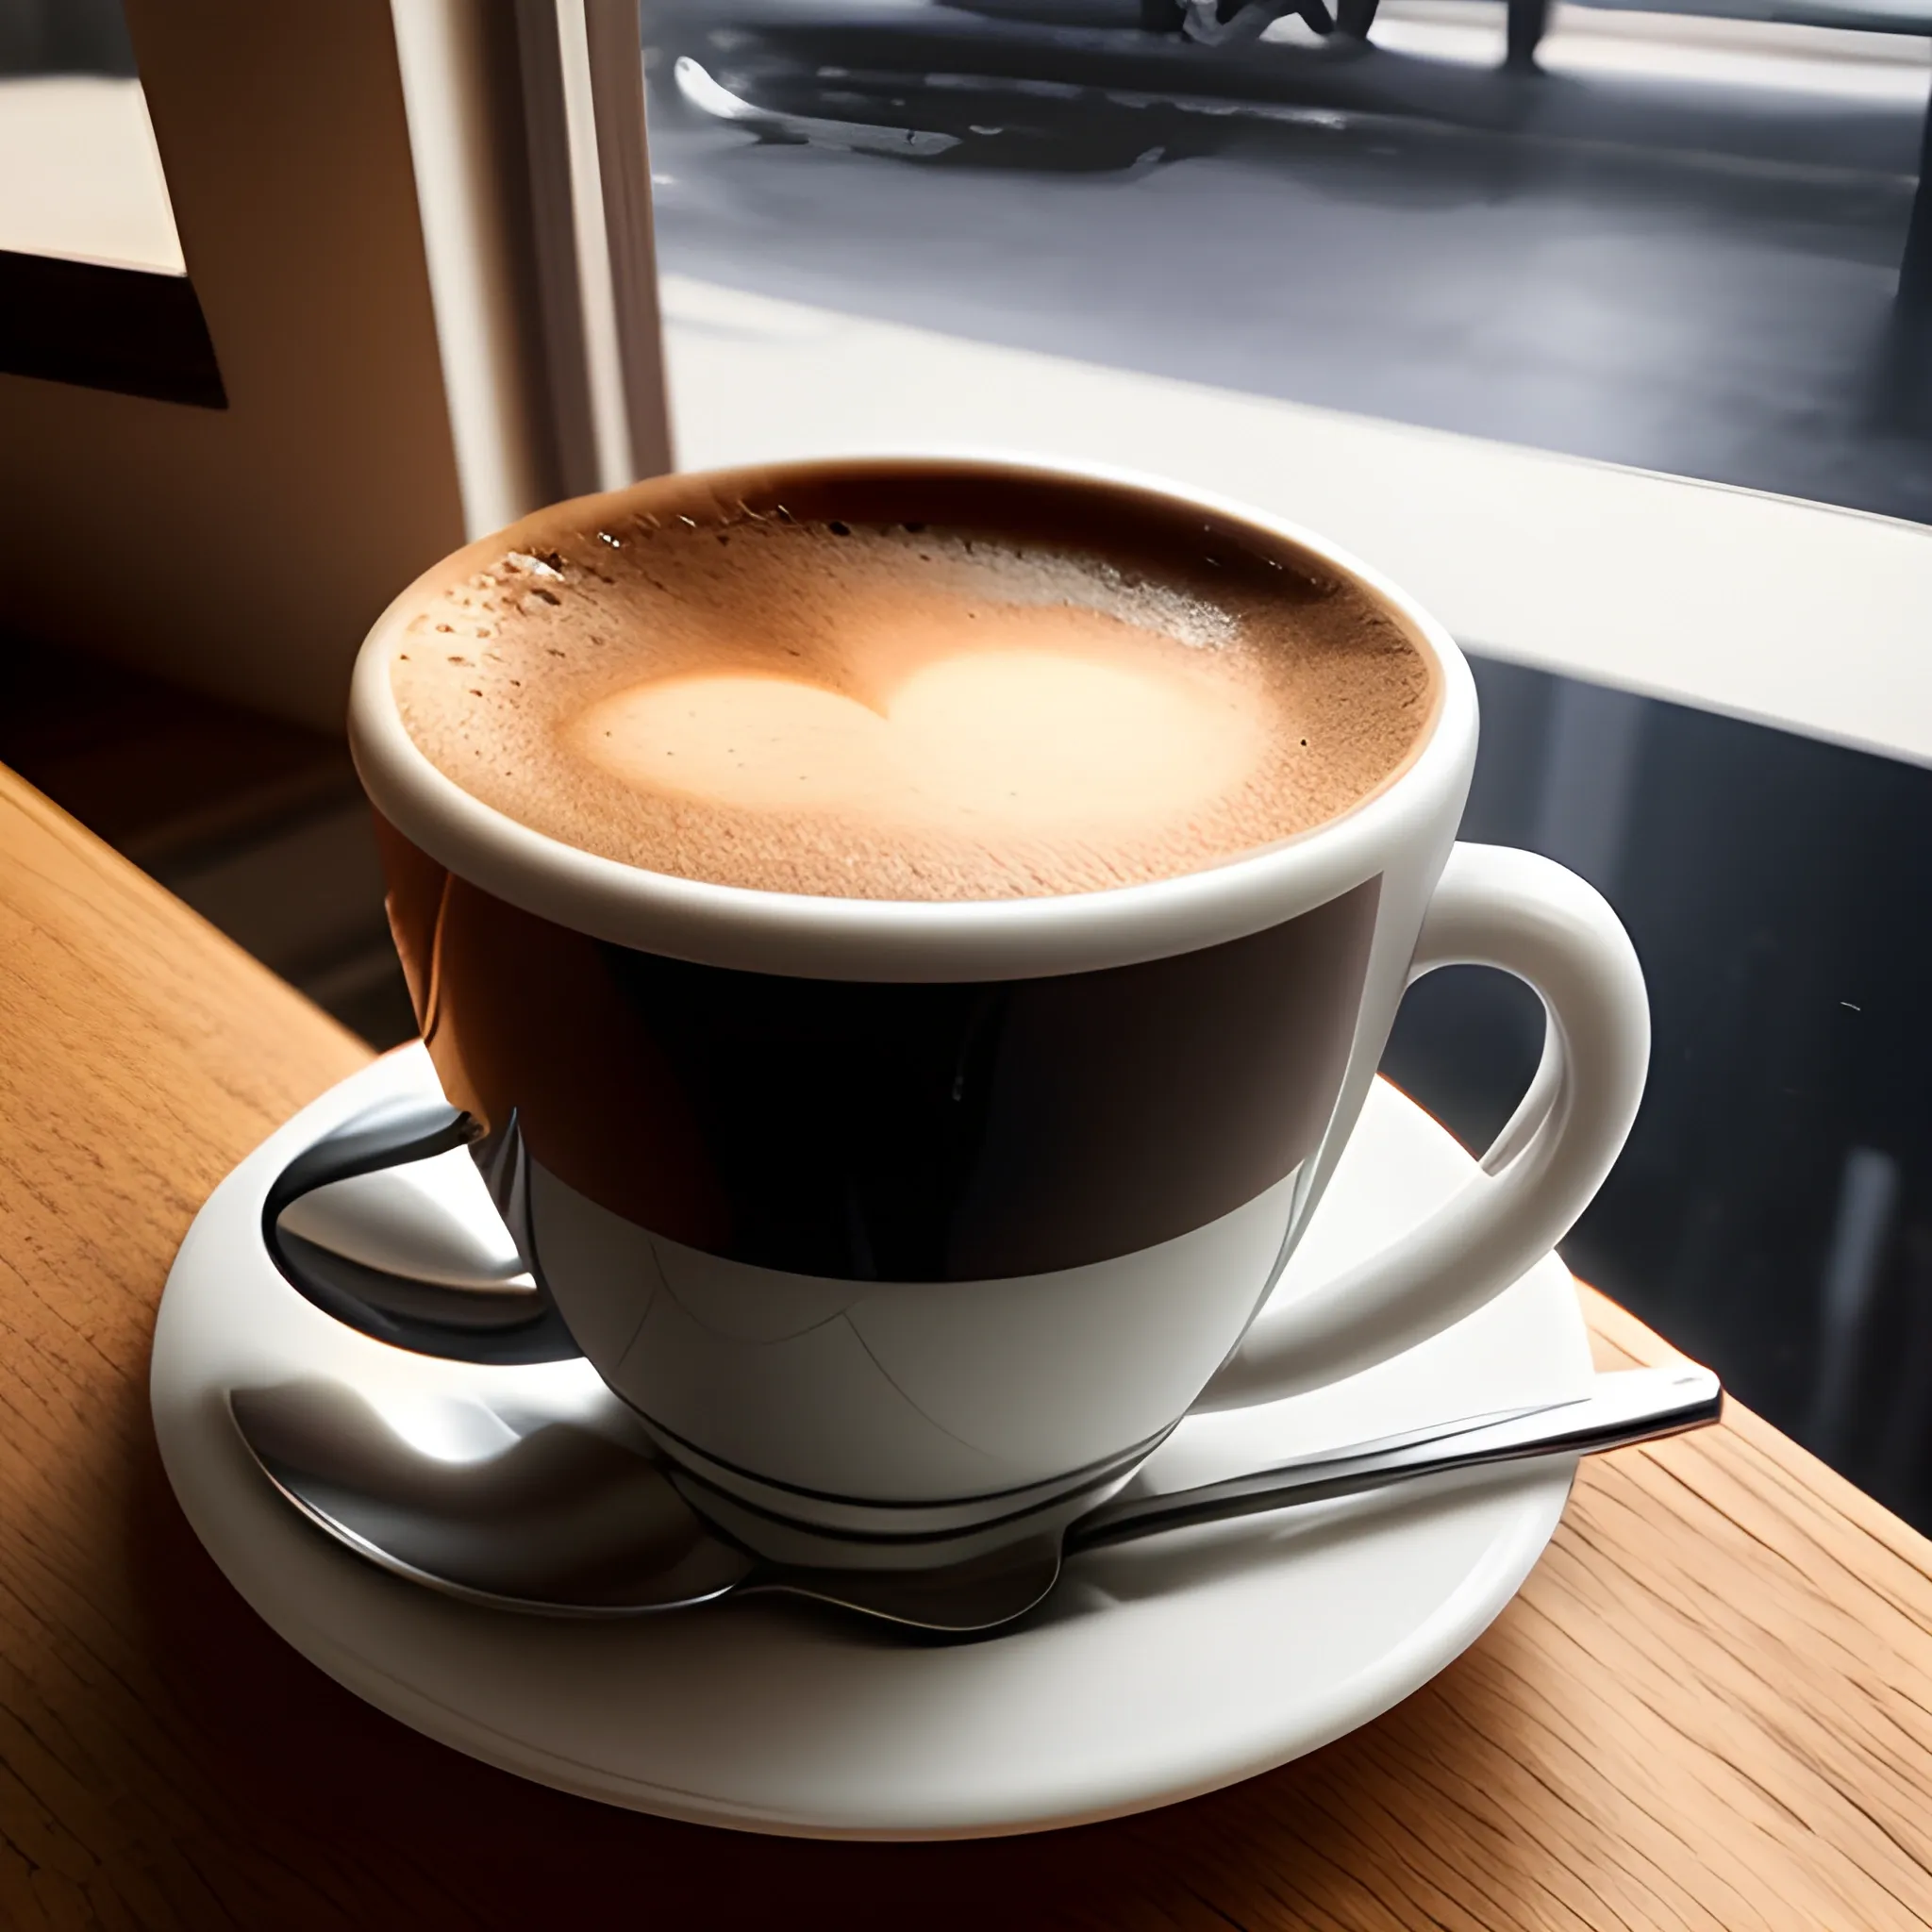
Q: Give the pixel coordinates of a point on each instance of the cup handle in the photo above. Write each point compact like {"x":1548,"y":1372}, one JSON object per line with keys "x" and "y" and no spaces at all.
{"x":426,"y":1317}
{"x":1494,"y":905}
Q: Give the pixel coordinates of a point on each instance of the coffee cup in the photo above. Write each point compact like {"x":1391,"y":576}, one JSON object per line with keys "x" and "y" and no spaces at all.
{"x":903,"y":1224}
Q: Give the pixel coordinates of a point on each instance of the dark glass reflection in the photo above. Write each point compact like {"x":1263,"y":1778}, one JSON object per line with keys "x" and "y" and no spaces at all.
{"x":1773,"y":1213}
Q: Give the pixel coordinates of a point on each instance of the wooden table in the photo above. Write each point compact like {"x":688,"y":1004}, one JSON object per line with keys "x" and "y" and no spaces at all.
{"x":1711,"y":1705}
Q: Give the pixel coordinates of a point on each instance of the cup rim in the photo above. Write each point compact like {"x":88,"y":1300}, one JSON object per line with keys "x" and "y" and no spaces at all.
{"x":804,"y":936}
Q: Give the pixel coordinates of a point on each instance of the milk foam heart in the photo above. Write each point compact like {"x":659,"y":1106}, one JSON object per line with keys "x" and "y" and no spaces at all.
{"x":1000,"y":737}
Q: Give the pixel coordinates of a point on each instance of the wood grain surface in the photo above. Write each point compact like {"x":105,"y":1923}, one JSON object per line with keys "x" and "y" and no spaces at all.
{"x":1711,"y":1707}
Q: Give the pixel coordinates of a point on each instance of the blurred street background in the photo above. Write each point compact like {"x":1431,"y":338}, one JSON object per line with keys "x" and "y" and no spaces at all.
{"x":1675,"y":241}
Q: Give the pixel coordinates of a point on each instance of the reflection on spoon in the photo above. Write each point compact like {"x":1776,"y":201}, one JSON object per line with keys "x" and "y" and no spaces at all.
{"x":547,"y":1514}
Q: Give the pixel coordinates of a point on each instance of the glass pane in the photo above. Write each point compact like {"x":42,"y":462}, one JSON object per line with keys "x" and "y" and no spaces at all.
{"x":1671,"y":239}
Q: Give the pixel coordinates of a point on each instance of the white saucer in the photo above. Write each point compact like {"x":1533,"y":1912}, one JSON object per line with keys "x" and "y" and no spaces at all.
{"x":1158,"y":1670}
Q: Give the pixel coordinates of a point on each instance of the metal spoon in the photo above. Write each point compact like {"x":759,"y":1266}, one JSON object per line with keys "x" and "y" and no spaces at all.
{"x":568,"y":1520}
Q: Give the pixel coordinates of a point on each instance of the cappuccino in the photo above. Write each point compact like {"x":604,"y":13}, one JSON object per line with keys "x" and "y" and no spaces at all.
{"x":776,"y":695}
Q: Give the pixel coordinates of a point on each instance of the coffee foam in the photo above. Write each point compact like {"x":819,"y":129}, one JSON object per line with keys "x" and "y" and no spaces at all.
{"x":872,"y":711}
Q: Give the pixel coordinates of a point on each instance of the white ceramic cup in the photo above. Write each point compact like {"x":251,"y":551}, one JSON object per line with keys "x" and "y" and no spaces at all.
{"x":710,"y":1125}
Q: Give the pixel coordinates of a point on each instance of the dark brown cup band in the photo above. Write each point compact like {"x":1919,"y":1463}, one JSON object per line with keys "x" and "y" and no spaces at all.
{"x":893,"y":1132}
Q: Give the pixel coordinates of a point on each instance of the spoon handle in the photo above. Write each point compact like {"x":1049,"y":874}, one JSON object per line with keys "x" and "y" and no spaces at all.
{"x":1625,"y":1406}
